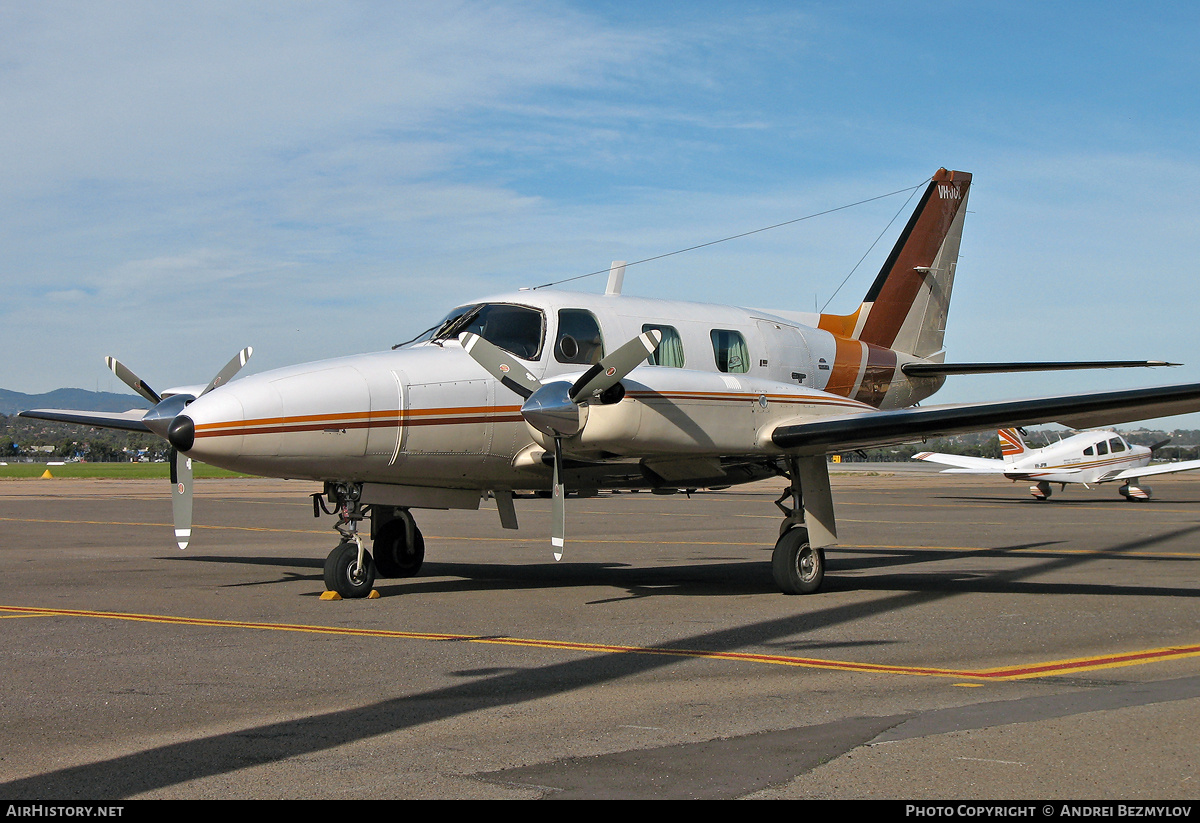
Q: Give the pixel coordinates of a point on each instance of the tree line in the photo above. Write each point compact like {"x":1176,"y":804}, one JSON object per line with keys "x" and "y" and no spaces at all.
{"x":23,"y":438}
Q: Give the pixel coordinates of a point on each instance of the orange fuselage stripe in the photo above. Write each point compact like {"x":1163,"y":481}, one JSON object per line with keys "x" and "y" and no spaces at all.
{"x":398,"y":418}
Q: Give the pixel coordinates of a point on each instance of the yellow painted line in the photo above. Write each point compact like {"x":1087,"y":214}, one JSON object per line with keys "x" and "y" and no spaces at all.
{"x":159,"y":525}
{"x":1027,"y":550}
{"x":637,"y":542}
{"x":1049,"y":668}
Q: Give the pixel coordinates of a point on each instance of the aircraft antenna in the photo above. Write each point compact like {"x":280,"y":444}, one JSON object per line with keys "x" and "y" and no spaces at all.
{"x":912,"y":190}
{"x":868,"y":251}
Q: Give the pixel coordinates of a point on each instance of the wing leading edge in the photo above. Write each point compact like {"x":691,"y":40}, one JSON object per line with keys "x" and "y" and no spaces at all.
{"x":1147,"y":471}
{"x":127,"y":421}
{"x":1079,"y":411}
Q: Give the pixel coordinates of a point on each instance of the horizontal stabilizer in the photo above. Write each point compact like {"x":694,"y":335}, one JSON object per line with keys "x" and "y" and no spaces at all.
{"x":965,"y":463}
{"x":937,"y":369}
{"x":856,"y":431}
{"x":128,"y":421}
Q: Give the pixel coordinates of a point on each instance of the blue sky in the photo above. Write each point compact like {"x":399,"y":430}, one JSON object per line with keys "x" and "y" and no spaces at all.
{"x":318,"y":179}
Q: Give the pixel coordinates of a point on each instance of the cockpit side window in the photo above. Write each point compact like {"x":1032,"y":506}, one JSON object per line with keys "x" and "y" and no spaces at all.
{"x":1102,"y":447}
{"x":1116,"y":445}
{"x":579,"y":339}
{"x":518,"y":330}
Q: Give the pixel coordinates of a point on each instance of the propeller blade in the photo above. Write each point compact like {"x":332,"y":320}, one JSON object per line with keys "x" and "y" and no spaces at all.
{"x":131,"y":380}
{"x":181,"y":497}
{"x":500,"y":364}
{"x":558,"y":525}
{"x":1159,"y":445}
{"x":614,"y":367}
{"x":231,"y":368}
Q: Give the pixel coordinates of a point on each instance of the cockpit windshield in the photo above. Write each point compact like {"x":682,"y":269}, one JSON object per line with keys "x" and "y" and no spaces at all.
{"x":519,"y":330}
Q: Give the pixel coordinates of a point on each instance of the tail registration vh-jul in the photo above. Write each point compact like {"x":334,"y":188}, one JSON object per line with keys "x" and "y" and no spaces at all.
{"x":548,"y":391}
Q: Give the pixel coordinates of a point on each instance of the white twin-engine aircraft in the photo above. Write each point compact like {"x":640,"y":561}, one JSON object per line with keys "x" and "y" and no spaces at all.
{"x":545,"y":390}
{"x":1089,"y":458}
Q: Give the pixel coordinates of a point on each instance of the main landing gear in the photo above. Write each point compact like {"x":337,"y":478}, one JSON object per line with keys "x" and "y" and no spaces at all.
{"x":1135,"y":493}
{"x":399,"y":545}
{"x":798,"y":562}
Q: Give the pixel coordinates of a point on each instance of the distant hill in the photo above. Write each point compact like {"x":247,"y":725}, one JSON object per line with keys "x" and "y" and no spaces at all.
{"x":12,"y":402}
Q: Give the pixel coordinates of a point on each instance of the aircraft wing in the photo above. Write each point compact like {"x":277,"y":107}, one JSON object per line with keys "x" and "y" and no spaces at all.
{"x":129,"y":421}
{"x":1161,"y":468}
{"x":1079,"y":411}
{"x":964,"y":464}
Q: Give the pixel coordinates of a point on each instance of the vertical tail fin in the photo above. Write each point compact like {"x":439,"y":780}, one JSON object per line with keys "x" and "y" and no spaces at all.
{"x":905,"y":308}
{"x":1012,"y":444}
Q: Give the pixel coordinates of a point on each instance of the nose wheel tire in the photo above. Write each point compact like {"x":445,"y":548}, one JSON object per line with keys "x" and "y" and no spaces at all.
{"x":798,"y":568}
{"x":344,"y":575}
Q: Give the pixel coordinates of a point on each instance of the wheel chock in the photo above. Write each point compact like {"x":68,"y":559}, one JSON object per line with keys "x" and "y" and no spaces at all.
{"x":327,"y":595}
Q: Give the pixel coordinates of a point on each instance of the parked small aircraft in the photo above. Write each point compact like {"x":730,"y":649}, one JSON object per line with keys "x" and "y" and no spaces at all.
{"x":525,"y":392}
{"x":1089,"y":458}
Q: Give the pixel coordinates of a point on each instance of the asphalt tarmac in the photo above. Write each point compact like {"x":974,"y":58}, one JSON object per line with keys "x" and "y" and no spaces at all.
{"x":970,"y":643}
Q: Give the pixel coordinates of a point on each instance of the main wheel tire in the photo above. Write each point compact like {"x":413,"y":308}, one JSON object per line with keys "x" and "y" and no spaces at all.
{"x":798,"y":568}
{"x":343,"y":574}
{"x":394,"y":555}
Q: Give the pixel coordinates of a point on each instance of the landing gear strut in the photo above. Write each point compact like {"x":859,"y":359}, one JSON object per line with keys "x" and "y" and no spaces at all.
{"x":349,"y":569}
{"x":798,"y":562}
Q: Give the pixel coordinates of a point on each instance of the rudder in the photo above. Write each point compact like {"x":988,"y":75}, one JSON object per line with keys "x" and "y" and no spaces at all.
{"x":1012,"y":444}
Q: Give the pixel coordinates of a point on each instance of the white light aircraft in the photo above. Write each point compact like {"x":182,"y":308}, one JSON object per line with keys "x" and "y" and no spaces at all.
{"x":544,"y":390}
{"x":1089,"y":458}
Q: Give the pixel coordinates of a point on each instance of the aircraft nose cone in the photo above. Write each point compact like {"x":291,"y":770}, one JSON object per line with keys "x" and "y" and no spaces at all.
{"x":182,"y":433}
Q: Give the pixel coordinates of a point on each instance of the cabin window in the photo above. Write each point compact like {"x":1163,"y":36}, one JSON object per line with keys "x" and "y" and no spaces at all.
{"x":579,"y":339}
{"x":1101,"y":448}
{"x":518,"y":330}
{"x":1116,"y":445}
{"x":1090,"y":451}
{"x":670,"y":350}
{"x":729,"y":349}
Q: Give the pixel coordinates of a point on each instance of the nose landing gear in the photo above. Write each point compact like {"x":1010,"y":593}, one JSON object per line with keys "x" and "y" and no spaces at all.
{"x":349,"y":569}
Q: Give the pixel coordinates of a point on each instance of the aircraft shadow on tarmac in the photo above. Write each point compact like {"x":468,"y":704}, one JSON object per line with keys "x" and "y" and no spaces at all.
{"x":849,"y":569}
